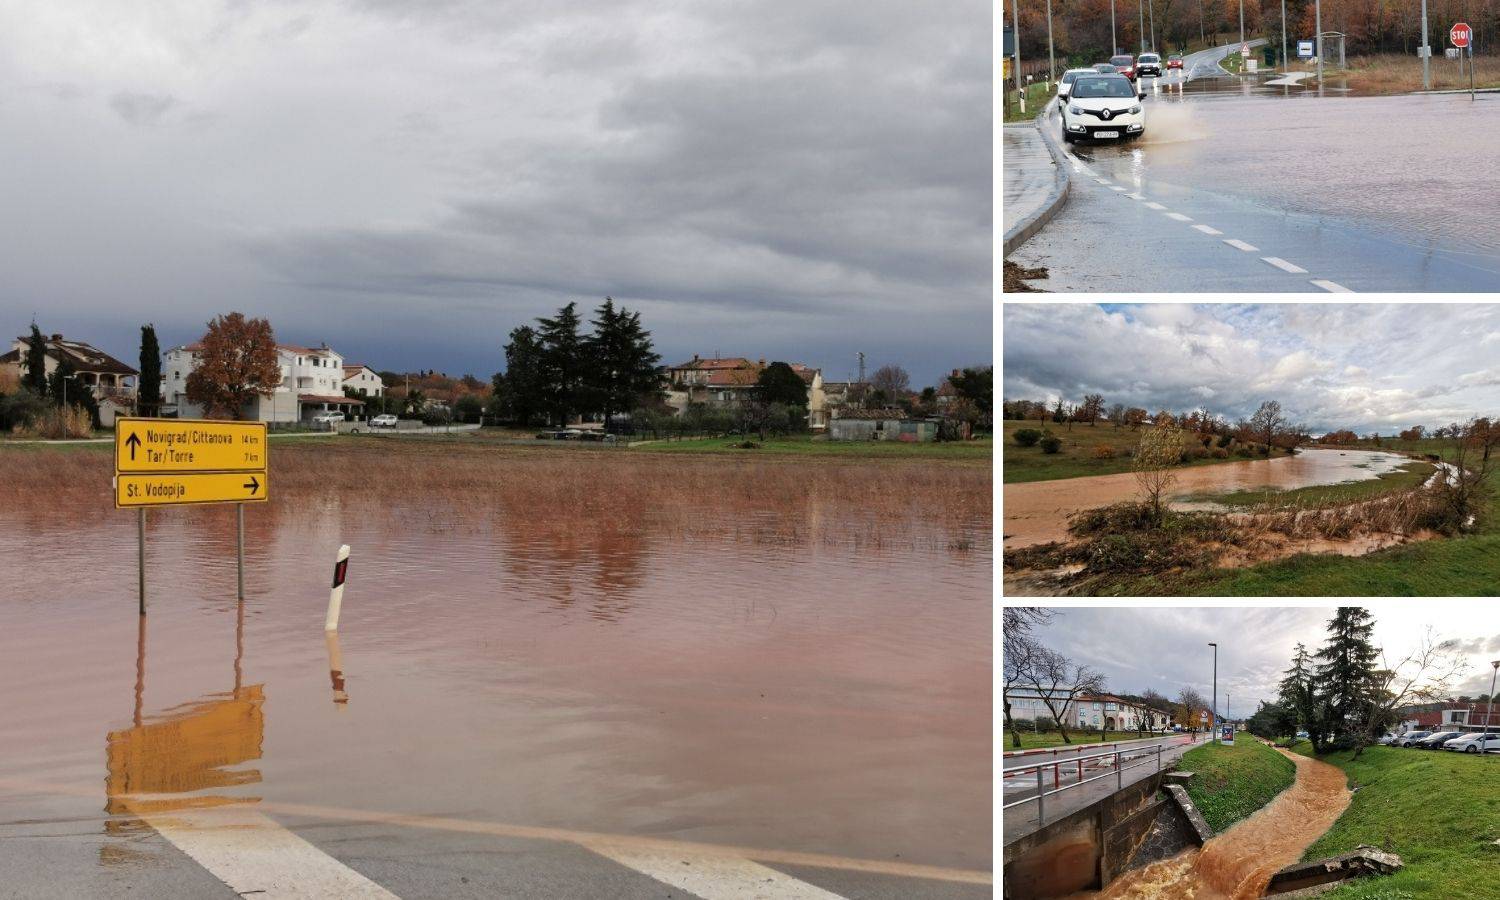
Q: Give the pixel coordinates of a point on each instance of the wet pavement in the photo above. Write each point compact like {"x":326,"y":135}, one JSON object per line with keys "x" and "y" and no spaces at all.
{"x":1036,"y":512}
{"x":1339,"y":191}
{"x":520,"y":702}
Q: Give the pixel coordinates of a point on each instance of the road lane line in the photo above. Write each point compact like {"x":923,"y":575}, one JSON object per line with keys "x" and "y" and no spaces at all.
{"x":255,"y":855}
{"x":1154,"y":206}
{"x":1331,"y":287}
{"x":1238,"y":244}
{"x":1116,"y":187}
{"x":1136,"y":196}
{"x":1179,"y":217}
{"x":1283,"y":265}
{"x":725,"y":878}
{"x":1206,"y":230}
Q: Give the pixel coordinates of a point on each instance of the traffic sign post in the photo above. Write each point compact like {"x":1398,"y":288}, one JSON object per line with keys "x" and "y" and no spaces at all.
{"x":174,"y":462}
{"x":1462,"y":36}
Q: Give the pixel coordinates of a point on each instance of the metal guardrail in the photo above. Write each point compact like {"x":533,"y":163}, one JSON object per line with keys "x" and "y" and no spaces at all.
{"x":1118,"y":756}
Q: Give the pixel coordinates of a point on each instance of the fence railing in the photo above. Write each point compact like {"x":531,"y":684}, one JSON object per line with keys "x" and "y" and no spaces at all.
{"x":1116,"y":766}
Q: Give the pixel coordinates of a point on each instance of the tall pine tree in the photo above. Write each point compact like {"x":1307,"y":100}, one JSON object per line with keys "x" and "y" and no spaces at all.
{"x":519,"y":390}
{"x":1347,"y":664}
{"x":35,"y":378}
{"x":148,"y":390}
{"x":563,"y":368}
{"x":1298,"y":695}
{"x":622,"y":365}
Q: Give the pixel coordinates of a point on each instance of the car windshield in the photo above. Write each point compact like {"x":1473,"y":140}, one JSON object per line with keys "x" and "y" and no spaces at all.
{"x":1085,"y":88}
{"x":1121,"y":60}
{"x":1150,"y":57}
{"x":1068,"y":77}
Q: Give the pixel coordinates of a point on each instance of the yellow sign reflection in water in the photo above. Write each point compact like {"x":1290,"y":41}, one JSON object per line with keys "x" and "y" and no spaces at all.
{"x":190,"y":445}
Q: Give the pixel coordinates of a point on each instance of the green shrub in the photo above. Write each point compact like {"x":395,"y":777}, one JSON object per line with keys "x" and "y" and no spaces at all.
{"x":1027,"y":437}
{"x":1244,"y":451}
{"x":1225,"y":440}
{"x":1263,"y":449}
{"x":1051,"y":443}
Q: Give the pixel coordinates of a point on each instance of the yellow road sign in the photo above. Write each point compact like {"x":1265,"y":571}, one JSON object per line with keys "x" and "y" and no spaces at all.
{"x":190,"y":445}
{"x":169,"y":488}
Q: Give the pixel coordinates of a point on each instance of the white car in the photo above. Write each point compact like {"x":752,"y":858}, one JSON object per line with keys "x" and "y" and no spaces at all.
{"x":1065,"y":83}
{"x":1103,"y":107}
{"x":385,"y":420}
{"x":1474,"y":743}
{"x":328,"y":418}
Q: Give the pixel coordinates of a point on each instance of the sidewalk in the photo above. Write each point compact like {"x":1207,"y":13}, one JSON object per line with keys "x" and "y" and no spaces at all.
{"x":1033,"y":187}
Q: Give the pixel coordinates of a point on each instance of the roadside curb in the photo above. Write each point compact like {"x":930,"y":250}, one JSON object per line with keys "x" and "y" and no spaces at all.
{"x":1029,"y":226}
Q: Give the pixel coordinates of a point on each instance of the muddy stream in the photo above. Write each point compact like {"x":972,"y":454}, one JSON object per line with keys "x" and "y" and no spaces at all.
{"x":1237,"y":864}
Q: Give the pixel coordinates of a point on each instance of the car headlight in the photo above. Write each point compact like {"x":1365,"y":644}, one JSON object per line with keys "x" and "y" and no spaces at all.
{"x":1076,"y":110}
{"x":1135,"y":110}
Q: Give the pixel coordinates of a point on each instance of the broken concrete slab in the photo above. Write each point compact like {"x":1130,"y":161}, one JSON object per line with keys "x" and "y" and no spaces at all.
{"x":1363,"y":860}
{"x":1179,"y":795}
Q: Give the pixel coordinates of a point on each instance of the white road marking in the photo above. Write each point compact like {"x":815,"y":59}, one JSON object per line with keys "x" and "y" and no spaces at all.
{"x":1283,"y":265}
{"x":255,"y":855}
{"x":1238,"y":244}
{"x":1179,"y":217}
{"x":1206,"y":230}
{"x":1331,"y":287}
{"x":1154,"y":206}
{"x":724,"y":878}
{"x":1116,"y":187}
{"x":1136,"y":196}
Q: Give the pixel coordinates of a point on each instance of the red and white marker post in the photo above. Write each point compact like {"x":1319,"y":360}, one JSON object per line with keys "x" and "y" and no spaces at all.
{"x":336,"y":594}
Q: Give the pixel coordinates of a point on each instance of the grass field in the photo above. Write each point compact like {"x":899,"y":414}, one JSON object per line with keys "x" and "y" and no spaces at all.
{"x":1409,"y":476}
{"x":1439,"y":811}
{"x":979,"y":451}
{"x":1393,"y":73}
{"x":1037,"y":95}
{"x":1076,"y":458}
{"x":1231,"y":781}
{"x":1032,"y":740}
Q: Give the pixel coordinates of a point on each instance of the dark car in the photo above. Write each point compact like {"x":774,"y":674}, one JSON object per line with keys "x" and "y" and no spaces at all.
{"x":1436,"y":740}
{"x":1124,"y":64}
{"x":1148,"y":64}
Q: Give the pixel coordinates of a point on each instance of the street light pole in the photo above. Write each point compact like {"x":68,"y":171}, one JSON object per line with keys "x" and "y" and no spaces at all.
{"x":1286,"y":61}
{"x":1140,"y":9}
{"x":1318,"y":38}
{"x":1425,"y":51}
{"x":1490,"y":713}
{"x":1151,"y":14}
{"x":1114,"y":43}
{"x":1051,"y":59}
{"x":1015,"y":28}
{"x":1242,"y":23}
{"x":1214,"y":714}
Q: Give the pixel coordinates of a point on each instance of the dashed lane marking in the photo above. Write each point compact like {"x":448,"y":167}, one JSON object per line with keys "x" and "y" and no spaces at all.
{"x":1207,"y":230}
{"x":1154,"y":205}
{"x":1116,"y":187}
{"x":726,"y":878}
{"x":1283,"y":265}
{"x":1179,"y":217}
{"x":1238,"y":244}
{"x":1331,"y":287}
{"x":1136,"y":196}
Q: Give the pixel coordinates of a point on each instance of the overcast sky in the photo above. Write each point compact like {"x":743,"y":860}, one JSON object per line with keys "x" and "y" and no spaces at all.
{"x":1368,"y":367}
{"x":1166,"y":648}
{"x":410,"y":179}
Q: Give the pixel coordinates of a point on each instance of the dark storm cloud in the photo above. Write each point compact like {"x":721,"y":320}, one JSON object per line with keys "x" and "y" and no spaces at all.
{"x":770,"y":178}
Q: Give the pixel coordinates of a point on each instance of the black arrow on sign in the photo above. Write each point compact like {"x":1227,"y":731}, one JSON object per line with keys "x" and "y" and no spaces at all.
{"x":253,"y":485}
{"x":132,"y":442}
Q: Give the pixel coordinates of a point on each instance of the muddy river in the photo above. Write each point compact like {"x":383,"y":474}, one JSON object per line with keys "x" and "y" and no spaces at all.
{"x":1037,"y":512}
{"x":811,"y":677}
{"x":1237,"y":864}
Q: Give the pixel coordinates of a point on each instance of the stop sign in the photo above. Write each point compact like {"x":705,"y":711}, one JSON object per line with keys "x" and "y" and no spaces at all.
{"x":1460,"y":34}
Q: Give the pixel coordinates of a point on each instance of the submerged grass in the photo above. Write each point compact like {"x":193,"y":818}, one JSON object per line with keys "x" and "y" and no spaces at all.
{"x":1408,"y":476}
{"x":1439,"y":811}
{"x":1231,"y":781}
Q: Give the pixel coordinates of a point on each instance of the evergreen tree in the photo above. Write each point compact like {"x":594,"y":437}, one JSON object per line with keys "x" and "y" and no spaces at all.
{"x":779,"y":384}
{"x":148,"y":391}
{"x":1346,"y":672}
{"x":563,"y":367}
{"x":1297,"y":695}
{"x":623,"y":366}
{"x":67,"y":389}
{"x":519,"y":390}
{"x":36,"y":363}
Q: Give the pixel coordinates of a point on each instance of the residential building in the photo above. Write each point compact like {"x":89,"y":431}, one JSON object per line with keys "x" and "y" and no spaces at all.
{"x":723,"y":382}
{"x":363,"y":380}
{"x":1454,"y":715}
{"x":312,"y":382}
{"x":113,"y":383}
{"x":1090,"y":711}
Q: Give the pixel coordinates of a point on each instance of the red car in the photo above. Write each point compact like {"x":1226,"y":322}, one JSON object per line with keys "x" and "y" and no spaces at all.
{"x":1174,"y":61}
{"x":1125,"y":65}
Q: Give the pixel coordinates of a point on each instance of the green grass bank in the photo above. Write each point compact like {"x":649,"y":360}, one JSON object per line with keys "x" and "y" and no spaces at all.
{"x":1231,"y":781}
{"x":1080,"y":455}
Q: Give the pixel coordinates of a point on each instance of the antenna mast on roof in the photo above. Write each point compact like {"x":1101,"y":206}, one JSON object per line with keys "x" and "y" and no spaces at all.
{"x":861,"y":367}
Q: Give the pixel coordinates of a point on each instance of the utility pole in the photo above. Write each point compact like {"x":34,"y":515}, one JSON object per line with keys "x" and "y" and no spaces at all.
{"x":1151,"y":13}
{"x":1015,"y":30}
{"x":1424,"y":50}
{"x":1114,"y":43}
{"x":1286,"y":62}
{"x":1318,"y":39}
{"x":1051,"y":59}
{"x":1214,"y":715}
{"x":1140,"y":9}
{"x":1490,"y":713}
{"x":1242,"y":23}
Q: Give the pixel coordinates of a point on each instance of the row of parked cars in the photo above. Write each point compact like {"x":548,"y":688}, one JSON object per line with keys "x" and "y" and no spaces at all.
{"x":1459,"y":741}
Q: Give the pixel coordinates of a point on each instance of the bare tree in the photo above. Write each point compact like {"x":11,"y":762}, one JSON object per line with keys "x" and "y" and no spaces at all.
{"x":1091,"y":408}
{"x":1018,"y":653}
{"x":1158,"y":451}
{"x":1116,"y":415}
{"x":1059,"y":683}
{"x":1465,"y":489}
{"x":1424,"y":675}
{"x":892,"y":380}
{"x":1268,"y":422}
{"x":1189,"y":704}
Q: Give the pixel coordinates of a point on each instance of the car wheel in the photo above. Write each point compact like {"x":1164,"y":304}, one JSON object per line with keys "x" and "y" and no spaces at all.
{"x":1471,"y":749}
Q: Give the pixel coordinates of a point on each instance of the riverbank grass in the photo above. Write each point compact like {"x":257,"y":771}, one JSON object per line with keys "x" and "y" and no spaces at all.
{"x":1080,"y":454}
{"x":1037,"y":95}
{"x":1438,"y":811}
{"x":1396,"y":73}
{"x":1408,"y":476}
{"x":1231,"y":781}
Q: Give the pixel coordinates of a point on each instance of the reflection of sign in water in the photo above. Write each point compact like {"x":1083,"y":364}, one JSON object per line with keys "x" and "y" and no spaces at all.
{"x":188,"y":749}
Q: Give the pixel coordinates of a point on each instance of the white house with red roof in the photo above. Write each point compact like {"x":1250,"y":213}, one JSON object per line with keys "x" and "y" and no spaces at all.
{"x":363,"y":380}
{"x":312,"y":382}
{"x":724,"y":381}
{"x":113,"y":382}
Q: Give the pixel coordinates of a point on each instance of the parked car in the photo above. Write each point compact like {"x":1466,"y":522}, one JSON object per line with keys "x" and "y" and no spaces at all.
{"x":1474,"y":743}
{"x":1436,"y":740}
{"x":384,"y":420}
{"x":1103,"y":106}
{"x":1148,"y":64}
{"x":1065,"y":83}
{"x":1124,"y":64}
{"x":1411,"y":737}
{"x":328,"y":418}
{"x":1174,"y":61}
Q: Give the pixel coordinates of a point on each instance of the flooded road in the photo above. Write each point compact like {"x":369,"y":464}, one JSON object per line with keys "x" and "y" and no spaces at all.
{"x":731,"y":658}
{"x":1036,"y":512}
{"x":1237,"y":864}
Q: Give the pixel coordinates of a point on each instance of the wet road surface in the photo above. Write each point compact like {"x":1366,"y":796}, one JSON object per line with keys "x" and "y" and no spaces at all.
{"x":1239,"y":186}
{"x":520,"y":702}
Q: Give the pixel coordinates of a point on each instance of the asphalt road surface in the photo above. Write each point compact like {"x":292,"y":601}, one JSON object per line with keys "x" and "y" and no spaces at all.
{"x":1239,"y":187}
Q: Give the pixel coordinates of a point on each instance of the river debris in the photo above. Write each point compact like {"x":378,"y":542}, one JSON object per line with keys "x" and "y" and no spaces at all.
{"x":1304,"y":879}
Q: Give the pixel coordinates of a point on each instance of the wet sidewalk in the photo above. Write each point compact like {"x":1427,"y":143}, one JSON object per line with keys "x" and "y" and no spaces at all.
{"x":1033,"y":186}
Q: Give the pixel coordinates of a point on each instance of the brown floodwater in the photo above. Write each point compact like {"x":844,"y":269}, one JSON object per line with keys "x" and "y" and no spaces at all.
{"x":1036,"y":512}
{"x":1238,"y":864}
{"x":757,"y":656}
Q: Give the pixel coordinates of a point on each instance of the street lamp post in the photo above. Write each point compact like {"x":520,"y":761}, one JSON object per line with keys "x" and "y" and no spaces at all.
{"x":1051,"y":59}
{"x":1242,"y":23}
{"x":1114,"y":43}
{"x":1214,"y":709}
{"x":1318,"y":39}
{"x":1490,"y":713}
{"x":1015,"y":27}
{"x":1425,"y":50}
{"x":1285,"y":61}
